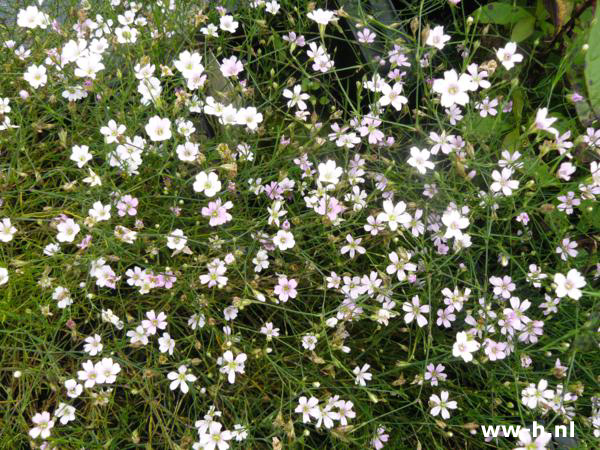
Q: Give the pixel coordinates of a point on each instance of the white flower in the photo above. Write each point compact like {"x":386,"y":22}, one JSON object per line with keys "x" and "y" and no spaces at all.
{"x":362,"y":375}
{"x":502,"y":182}
{"x":176,"y":240}
{"x":479,"y":78}
{"x":166,"y":344}
{"x":43,"y":425}
{"x":189,"y":64}
{"x":543,"y":122}
{"x":36,"y":76}
{"x":158,"y":129}
{"x":533,"y":396}
{"x":138,"y":336}
{"x":93,"y":179}
{"x":353,"y":246}
{"x":74,"y":389}
{"x":414,"y":311}
{"x":213,"y":438}
{"x":308,"y":408}
{"x":4,"y":105}
{"x":99,"y":212}
{"x":81,"y":155}
{"x":64,"y":412}
{"x":272,"y":7}
{"x":62,"y":296}
{"x":526,"y":441}
{"x":419,"y":159}
{"x":7,"y":231}
{"x":210,"y":30}
{"x":392,"y":95}
{"x":3,"y":276}
{"x":89,"y":374}
{"x":296,"y":97}
{"x":366,"y":36}
{"x":67,"y":230}
{"x":108,"y":370}
{"x":453,"y":88}
{"x":502,"y":286}
{"x":88,"y":66}
{"x":436,"y":38}
{"x":226,"y":23}
{"x":93,"y":345}
{"x":112,"y":131}
{"x":454,"y":222}
{"x":249,"y":117}
{"x":284,"y":240}
{"x":508,"y":55}
{"x":329,"y":172}
{"x":569,"y":285}
{"x":441,"y":404}
{"x":394,"y":214}
{"x":230,"y":365}
{"x":126,"y":35}
{"x":180,"y":379}
{"x":464,"y":346}
{"x":261,"y":261}
{"x":309,"y":342}
{"x":345,"y":411}
{"x":32,"y":18}
{"x":209,"y":183}
{"x":321,"y":16}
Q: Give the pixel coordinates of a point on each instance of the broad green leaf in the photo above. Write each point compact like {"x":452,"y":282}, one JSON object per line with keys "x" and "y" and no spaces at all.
{"x":501,"y":14}
{"x":589,"y":220}
{"x":592,"y":65}
{"x":512,"y":140}
{"x":541,"y":13}
{"x":522,"y":29}
{"x":538,"y":169}
{"x":481,"y":128}
{"x":560,"y":12}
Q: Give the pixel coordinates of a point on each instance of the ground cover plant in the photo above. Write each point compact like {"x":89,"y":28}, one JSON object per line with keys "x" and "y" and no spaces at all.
{"x":291,"y":224}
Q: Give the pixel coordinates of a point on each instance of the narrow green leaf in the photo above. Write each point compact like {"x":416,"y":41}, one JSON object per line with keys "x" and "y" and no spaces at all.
{"x":592,"y":65}
{"x":518,"y":103}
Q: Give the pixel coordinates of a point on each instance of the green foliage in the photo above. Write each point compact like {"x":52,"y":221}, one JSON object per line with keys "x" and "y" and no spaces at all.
{"x":523,"y":29}
{"x":38,"y":183}
{"x":592,"y":65}
{"x":500,"y":13}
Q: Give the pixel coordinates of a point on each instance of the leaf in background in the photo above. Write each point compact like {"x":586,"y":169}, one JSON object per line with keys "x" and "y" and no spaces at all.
{"x":538,"y":170}
{"x":500,"y":14}
{"x":560,"y":12}
{"x":592,"y":65}
{"x":522,"y":29}
{"x":589,"y":220}
{"x":518,"y":103}
{"x":512,"y":140}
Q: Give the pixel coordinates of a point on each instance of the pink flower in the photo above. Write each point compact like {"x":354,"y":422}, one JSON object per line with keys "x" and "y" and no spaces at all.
{"x":286,"y":289}
{"x":330,"y":207}
{"x":230,"y":67}
{"x":366,"y":36}
{"x":85,"y":242}
{"x":127,"y":205}
{"x":217,"y":212}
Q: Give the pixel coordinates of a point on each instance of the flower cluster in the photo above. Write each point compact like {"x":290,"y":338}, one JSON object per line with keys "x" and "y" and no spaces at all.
{"x":254,"y":216}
